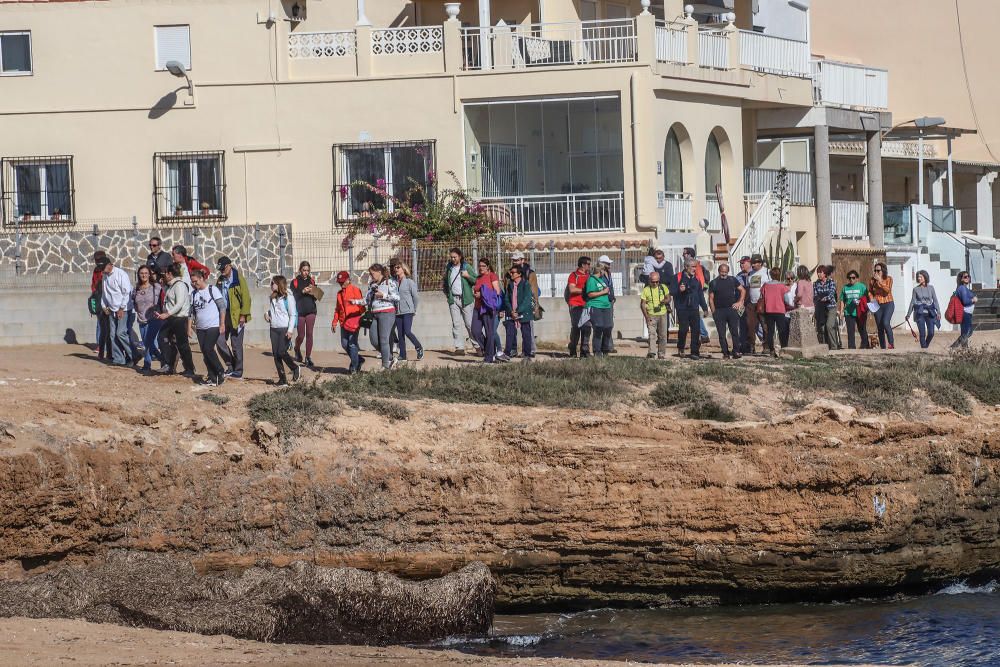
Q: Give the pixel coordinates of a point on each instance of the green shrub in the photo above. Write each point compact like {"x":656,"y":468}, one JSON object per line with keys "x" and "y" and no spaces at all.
{"x":709,"y":409}
{"x":216,"y":399}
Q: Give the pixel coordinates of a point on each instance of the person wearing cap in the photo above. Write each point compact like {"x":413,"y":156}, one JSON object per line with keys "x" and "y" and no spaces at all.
{"x":116,"y":292}
{"x":236,"y":293}
{"x":347,"y":313}
{"x":742,"y":344}
{"x":758,"y":278}
{"x":576,"y":299}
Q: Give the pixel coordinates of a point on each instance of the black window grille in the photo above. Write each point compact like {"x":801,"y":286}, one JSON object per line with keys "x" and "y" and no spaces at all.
{"x":396,"y":167}
{"x":189,"y":187}
{"x":37,"y":190}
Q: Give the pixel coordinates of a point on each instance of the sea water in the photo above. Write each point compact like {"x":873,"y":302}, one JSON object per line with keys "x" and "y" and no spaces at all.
{"x":959,"y":625}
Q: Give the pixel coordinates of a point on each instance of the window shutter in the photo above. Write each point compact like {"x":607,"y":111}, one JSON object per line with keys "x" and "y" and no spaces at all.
{"x":173,"y":42}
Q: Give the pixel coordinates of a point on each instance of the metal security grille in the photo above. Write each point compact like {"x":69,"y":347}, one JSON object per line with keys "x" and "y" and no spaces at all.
{"x":37,"y":190}
{"x":393,"y":166}
{"x":189,"y":187}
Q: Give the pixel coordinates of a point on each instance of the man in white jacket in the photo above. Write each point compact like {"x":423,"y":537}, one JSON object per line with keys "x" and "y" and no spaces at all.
{"x":116,"y":287}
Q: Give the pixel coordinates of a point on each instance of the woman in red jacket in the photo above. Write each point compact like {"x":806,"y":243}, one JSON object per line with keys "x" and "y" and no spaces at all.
{"x":350,"y":306}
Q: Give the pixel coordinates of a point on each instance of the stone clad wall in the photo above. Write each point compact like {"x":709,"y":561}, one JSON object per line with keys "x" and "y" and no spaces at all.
{"x":264,"y":251}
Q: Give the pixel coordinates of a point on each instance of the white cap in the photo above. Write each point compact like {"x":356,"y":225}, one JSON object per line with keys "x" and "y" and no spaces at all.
{"x":517,"y":255}
{"x":604,"y":259}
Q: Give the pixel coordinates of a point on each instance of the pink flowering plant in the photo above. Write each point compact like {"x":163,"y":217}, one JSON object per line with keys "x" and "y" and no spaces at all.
{"x":449,"y":214}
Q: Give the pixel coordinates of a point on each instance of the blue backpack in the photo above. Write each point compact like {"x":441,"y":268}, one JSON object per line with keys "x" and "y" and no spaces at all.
{"x":491,"y":300}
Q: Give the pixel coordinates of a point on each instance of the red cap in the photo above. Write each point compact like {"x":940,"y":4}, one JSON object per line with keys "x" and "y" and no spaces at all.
{"x":343,"y":277}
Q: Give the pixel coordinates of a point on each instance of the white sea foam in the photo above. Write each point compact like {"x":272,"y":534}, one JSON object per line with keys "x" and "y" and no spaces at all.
{"x":513,"y":640}
{"x":962,"y":588}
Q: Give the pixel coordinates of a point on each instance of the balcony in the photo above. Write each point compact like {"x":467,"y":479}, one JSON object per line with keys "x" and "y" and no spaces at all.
{"x":850,"y":219}
{"x":800,"y":184}
{"x":504,"y":47}
{"x":849,"y":86}
{"x":672,"y":43}
{"x":677,"y":208}
{"x":774,"y":55}
{"x":713,"y":213}
{"x":713,"y":49}
{"x":570,"y":213}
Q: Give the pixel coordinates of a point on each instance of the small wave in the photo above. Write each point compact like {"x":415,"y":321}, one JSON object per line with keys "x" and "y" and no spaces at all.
{"x":962,"y":588}
{"x":512,"y":640}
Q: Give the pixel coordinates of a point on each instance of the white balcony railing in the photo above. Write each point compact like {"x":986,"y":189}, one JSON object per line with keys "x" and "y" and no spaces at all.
{"x":570,"y":213}
{"x":676,"y":211}
{"x":416,"y":39}
{"x":339,"y":44}
{"x":850,"y":219}
{"x":671,"y":42}
{"x":854,"y":86}
{"x":774,"y":55}
{"x":713,"y":213}
{"x":800,"y":184}
{"x":762,"y":219}
{"x":713,"y":49}
{"x":549,"y":44}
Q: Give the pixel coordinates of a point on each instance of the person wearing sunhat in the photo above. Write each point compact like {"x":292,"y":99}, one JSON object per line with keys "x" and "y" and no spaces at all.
{"x":236,"y":293}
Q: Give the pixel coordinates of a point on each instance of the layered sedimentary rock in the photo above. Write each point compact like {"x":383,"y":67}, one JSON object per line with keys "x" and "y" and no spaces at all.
{"x":565,"y":508}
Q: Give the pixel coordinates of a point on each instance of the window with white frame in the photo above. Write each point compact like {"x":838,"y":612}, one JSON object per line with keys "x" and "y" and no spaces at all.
{"x":400,"y":169}
{"x":190,"y":185}
{"x":15,"y":53}
{"x":38,"y":189}
{"x":172,"y":42}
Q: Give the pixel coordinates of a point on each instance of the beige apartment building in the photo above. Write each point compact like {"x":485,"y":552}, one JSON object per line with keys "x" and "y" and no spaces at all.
{"x":596,"y":119}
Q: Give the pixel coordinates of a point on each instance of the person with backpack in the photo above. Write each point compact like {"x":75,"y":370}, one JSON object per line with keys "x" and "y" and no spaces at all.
{"x":925,"y":309}
{"x":305,"y":292}
{"x":383,"y":295}
{"x":282,"y":318}
{"x":409,"y":299}
{"x":579,"y":333}
{"x":852,"y":300}
{"x":724,"y":293}
{"x":654,"y":302}
{"x":968,"y":299}
{"x":347,"y":313}
{"x":239,"y":307}
{"x":209,"y":309}
{"x":145,"y":300}
{"x":602,"y":318}
{"x":518,"y":304}
{"x":175,"y":313}
{"x":101,"y":331}
{"x":459,"y":277}
{"x":689,"y":298}
{"x":116,"y":291}
{"x":488,"y":304}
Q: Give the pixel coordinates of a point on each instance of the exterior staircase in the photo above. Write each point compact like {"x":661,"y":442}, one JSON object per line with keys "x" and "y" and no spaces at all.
{"x":721,"y":250}
{"x":986,"y":317}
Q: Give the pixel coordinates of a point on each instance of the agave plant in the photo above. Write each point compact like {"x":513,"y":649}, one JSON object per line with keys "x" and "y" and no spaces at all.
{"x":780,"y":255}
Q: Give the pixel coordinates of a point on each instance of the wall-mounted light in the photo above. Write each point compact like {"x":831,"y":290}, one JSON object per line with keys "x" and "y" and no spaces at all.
{"x":659,"y":167}
{"x":473,"y":156}
{"x":296,"y":10}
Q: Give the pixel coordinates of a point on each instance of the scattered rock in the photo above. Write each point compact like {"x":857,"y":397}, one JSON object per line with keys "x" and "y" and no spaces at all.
{"x":266,"y":435}
{"x":836,"y":411}
{"x":204,"y":447}
{"x":233,"y":451}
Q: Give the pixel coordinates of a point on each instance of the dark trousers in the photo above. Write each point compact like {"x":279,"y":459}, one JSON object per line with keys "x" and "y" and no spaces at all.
{"x":349,"y":341}
{"x":856,"y":324}
{"x":207,"y":340}
{"x":527,"y":337}
{"x":579,"y":335}
{"x":883,"y":323}
{"x":966,"y":327}
{"x":404,"y":332}
{"x":753,"y":319}
{"x":305,"y":332}
{"x":230,"y":348}
{"x":689,"y":320}
{"x":602,"y":321}
{"x":174,"y":342}
{"x":776,"y":322}
{"x":826,"y":327}
{"x":484,"y":331}
{"x":743,"y":346}
{"x":104,"y":336}
{"x":728,"y":318}
{"x":279,"y":350}
{"x":925,"y":329}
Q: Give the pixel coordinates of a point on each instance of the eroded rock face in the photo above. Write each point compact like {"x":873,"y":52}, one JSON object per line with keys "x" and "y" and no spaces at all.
{"x":566,"y":509}
{"x":299,"y":603}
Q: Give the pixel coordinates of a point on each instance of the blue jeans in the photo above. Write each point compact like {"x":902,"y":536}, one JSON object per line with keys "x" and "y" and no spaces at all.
{"x":966,"y":326}
{"x":527,"y":340}
{"x":883,"y":323}
{"x":121,"y":346}
{"x":404,"y":326}
{"x":484,"y":330}
{"x":150,"y":332}
{"x":349,"y":341}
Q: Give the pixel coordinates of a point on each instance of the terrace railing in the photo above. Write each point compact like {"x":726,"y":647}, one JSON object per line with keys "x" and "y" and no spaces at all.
{"x":713,"y":49}
{"x":850,"y":219}
{"x":569,"y":213}
{"x":852,"y":86}
{"x":671,"y":42}
{"x":677,"y":207}
{"x":774,"y":55}
{"x":338,"y":44}
{"x":800,"y":184}
{"x":549,"y":44}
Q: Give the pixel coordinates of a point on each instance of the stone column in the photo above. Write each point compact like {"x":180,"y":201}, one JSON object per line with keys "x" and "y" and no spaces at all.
{"x":824,"y":207}
{"x":937,"y":186}
{"x":984,"y":204}
{"x":876,"y":217}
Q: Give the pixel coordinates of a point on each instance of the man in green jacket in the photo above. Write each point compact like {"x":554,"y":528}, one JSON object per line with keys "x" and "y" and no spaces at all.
{"x":236,"y":292}
{"x":459,"y":278}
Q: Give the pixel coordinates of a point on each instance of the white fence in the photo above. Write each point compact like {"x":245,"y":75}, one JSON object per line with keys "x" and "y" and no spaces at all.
{"x":713,"y":49}
{"x":417,"y":39}
{"x":850,"y":219}
{"x":549,"y":44}
{"x":800,"y":184}
{"x":671,"y":43}
{"x":762,"y":217}
{"x":570,"y":213}
{"x":713,"y":213}
{"x":340,"y":44}
{"x":775,"y":55}
{"x":676,"y":211}
{"x":844,"y":85}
